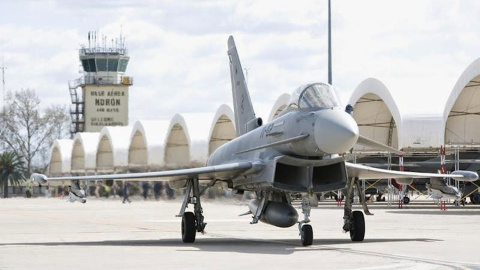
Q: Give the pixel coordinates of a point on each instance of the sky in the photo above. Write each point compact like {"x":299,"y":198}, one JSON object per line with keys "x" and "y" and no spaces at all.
{"x":178,"y":48}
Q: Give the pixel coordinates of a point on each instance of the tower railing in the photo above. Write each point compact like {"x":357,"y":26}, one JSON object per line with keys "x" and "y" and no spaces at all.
{"x":103,"y":50}
{"x":101,"y":80}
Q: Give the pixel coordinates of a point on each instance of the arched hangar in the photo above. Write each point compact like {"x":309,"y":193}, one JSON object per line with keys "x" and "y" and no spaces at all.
{"x":462,"y":111}
{"x":147,"y":145}
{"x":84,"y":152}
{"x":60,"y":159}
{"x":376,"y":113}
{"x":112,"y":149}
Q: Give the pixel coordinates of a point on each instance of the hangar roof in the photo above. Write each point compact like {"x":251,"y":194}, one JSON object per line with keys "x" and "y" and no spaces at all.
{"x":374,"y":109}
{"x":119,"y":139}
{"x":88,"y":142}
{"x":461,"y":116}
{"x":281,"y":103}
{"x":222,"y":128}
{"x":153,"y":133}
{"x":198,"y":130}
{"x":64,"y":148}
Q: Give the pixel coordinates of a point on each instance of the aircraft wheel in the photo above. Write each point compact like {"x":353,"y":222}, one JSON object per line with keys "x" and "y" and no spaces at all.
{"x":475,"y":198}
{"x":189,"y":229}
{"x":306,"y":233}
{"x":406,"y":200}
{"x":357,"y":230}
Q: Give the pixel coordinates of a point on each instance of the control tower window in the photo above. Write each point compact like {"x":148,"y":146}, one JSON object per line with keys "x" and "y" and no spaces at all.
{"x":92,"y":65}
{"x":89,"y":65}
{"x":85,"y":65}
{"x":112,"y":65}
{"x":122,"y":65}
{"x":102,"y":64}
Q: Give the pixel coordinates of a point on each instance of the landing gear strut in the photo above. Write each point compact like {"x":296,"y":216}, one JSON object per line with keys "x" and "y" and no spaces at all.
{"x":354,"y":222}
{"x":192,"y":222}
{"x":306,"y":231}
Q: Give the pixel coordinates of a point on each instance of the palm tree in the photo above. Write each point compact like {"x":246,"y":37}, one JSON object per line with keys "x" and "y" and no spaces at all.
{"x":11,"y":170}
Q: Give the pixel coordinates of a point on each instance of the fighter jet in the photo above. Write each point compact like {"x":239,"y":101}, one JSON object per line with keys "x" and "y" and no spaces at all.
{"x":298,"y":154}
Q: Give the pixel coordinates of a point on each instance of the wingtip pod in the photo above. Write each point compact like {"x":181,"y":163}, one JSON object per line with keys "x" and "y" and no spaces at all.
{"x":40,"y":178}
{"x":465,"y":176}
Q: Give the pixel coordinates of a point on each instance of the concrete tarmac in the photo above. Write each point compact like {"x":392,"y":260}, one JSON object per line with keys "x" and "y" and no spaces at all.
{"x":106,"y":234}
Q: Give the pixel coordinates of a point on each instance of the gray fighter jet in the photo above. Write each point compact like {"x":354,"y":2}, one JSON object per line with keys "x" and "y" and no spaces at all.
{"x":299,"y":154}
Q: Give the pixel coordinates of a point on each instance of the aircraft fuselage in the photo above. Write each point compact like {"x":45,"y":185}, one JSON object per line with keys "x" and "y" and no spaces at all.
{"x":300,"y":143}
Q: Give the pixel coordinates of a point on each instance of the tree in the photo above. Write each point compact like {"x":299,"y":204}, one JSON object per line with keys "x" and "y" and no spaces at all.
{"x":29,"y":131}
{"x":11,"y":170}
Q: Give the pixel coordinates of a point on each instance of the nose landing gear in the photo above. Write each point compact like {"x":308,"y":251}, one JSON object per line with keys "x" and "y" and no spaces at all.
{"x":354,"y":221}
{"x":306,"y":234}
{"x":306,"y":231}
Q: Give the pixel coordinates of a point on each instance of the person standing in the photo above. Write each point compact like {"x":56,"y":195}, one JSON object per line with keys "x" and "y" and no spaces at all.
{"x":114,"y":189}
{"x":146,"y":187}
{"x":47,"y":190}
{"x":157,"y":189}
{"x":29,"y":191}
{"x":125,"y":192}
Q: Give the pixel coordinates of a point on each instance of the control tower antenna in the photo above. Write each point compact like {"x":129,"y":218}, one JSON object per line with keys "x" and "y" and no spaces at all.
{"x":121,"y":36}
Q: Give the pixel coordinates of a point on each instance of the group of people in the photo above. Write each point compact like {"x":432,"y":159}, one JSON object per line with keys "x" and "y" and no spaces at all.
{"x":146,"y":186}
{"x":125,"y":190}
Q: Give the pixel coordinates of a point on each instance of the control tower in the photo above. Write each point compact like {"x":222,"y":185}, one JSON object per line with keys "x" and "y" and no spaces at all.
{"x":103,"y":99}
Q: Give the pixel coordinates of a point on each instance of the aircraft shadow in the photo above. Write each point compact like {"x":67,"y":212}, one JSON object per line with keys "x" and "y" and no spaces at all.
{"x":438,"y":212}
{"x":267,"y":246}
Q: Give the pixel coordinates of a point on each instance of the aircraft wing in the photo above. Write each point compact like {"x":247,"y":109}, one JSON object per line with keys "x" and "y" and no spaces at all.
{"x":374,"y":145}
{"x":219,"y":172}
{"x":366,"y":172}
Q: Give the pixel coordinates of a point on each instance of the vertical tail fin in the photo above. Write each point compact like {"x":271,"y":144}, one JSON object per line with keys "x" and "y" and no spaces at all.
{"x":245,"y":119}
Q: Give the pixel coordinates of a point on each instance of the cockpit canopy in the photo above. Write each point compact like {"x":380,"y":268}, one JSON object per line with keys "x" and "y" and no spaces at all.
{"x":315,"y":95}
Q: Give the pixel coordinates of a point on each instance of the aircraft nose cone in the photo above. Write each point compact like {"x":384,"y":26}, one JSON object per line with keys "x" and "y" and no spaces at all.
{"x":335,"y":131}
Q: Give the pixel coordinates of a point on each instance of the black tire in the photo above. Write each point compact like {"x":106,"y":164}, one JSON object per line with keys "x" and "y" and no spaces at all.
{"x":406,"y":200}
{"x":357,"y":230}
{"x":475,"y":198}
{"x":189,"y":228}
{"x":306,"y":233}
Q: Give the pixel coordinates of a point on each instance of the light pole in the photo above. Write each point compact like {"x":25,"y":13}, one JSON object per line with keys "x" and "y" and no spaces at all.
{"x":329,"y":44}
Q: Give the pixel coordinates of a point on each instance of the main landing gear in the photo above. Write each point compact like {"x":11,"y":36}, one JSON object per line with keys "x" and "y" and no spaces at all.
{"x":357,"y":226}
{"x":354,"y":221}
{"x":192,"y":222}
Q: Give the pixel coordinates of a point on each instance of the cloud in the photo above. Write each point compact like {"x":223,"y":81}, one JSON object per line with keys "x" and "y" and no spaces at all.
{"x":178,"y":48}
